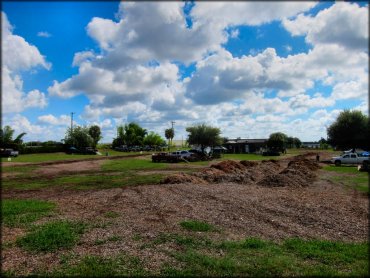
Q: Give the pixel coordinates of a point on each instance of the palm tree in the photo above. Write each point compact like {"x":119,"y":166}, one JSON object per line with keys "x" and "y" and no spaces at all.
{"x":169,"y":133}
{"x":6,"y":137}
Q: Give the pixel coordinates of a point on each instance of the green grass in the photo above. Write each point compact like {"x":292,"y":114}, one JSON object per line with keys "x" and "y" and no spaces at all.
{"x":19,"y":169}
{"x":195,"y":241}
{"x":342,"y":169}
{"x":111,"y":214}
{"x":256,"y":257}
{"x":83,"y":182}
{"x":51,"y":236}
{"x":349,"y":177}
{"x":27,"y":183}
{"x":96,"y":266}
{"x":197,"y":226}
{"x":133,"y":164}
{"x":100,"y":182}
{"x":47,"y":157}
{"x":20,"y":213}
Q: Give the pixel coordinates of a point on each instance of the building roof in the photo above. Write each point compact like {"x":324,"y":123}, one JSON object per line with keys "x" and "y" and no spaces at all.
{"x":245,"y":141}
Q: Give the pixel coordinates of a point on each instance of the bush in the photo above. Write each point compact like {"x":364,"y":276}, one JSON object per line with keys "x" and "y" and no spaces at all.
{"x":43,"y":149}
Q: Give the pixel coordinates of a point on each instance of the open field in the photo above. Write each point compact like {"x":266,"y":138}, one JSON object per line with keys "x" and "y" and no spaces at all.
{"x":129,"y":216}
{"x":49,"y":157}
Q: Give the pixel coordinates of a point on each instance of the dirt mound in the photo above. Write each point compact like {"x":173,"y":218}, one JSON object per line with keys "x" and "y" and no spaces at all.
{"x":229,"y":166}
{"x":248,"y":163}
{"x":279,"y":180}
{"x":183,"y":178}
{"x":300,"y":172}
{"x":304,"y":163}
{"x":227,"y":171}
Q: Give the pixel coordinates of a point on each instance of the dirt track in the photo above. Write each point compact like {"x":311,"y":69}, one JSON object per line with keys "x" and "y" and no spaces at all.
{"x":316,"y":209}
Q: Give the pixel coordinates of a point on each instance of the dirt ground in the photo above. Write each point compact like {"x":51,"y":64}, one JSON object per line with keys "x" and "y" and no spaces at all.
{"x":269,"y":199}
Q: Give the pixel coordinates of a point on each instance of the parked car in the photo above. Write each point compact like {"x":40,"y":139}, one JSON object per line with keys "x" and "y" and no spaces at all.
{"x":164,"y":157}
{"x":72,"y":150}
{"x":86,"y":150}
{"x":89,"y":150}
{"x":271,"y":153}
{"x":350,"y":158}
{"x":9,"y":153}
{"x":122,"y":148}
{"x":182,"y":154}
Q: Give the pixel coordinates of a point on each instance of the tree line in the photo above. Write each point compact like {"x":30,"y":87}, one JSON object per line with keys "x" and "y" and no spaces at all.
{"x":350,"y":130}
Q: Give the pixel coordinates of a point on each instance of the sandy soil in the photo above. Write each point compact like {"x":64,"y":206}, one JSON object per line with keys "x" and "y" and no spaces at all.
{"x":244,"y":207}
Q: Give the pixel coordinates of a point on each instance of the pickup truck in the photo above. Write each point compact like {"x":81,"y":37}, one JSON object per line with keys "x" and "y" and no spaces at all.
{"x":350,"y":158}
{"x":165,"y":157}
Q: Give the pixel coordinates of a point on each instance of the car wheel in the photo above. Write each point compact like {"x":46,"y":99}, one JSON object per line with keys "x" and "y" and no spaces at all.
{"x":337,"y":163}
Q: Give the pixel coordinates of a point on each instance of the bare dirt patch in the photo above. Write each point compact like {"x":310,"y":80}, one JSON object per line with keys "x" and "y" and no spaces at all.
{"x":71,"y":167}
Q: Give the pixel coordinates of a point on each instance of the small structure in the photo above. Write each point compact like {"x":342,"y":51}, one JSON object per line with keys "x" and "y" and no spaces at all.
{"x":310,"y":145}
{"x":245,"y":145}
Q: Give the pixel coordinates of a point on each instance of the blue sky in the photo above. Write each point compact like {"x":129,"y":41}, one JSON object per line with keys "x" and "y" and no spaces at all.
{"x":249,"y":68}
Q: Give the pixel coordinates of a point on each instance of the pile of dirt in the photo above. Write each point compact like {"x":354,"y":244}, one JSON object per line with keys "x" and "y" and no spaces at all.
{"x":248,"y":163}
{"x":183,"y":178}
{"x":300,"y":172}
{"x":227,"y":171}
{"x":278,"y":180}
{"x":229,"y":167}
{"x":304,"y":163}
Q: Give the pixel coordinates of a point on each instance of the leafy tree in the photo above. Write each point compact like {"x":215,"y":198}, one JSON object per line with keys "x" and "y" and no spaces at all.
{"x":204,"y":136}
{"x":169,"y":133}
{"x":297,"y":143}
{"x":6,"y":138}
{"x":277,"y":141}
{"x":79,"y":137}
{"x":290,"y":142}
{"x":323,"y":144}
{"x":95,"y":133}
{"x":153,"y":139}
{"x":130,"y":134}
{"x":350,"y":130}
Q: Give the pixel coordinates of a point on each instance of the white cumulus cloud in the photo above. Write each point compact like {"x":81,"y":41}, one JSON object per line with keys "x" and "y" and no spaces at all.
{"x":345,"y":24}
{"x":18,"y":55}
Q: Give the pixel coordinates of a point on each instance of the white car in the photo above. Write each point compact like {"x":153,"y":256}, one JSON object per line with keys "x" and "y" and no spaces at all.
{"x":183,"y":154}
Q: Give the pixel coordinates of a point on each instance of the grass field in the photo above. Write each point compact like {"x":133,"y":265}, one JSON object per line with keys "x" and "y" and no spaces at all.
{"x":47,"y":157}
{"x":200,"y":256}
{"x":350,"y":177}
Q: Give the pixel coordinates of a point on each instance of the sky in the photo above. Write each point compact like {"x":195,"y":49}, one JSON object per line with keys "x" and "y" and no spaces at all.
{"x":248,"y":68}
